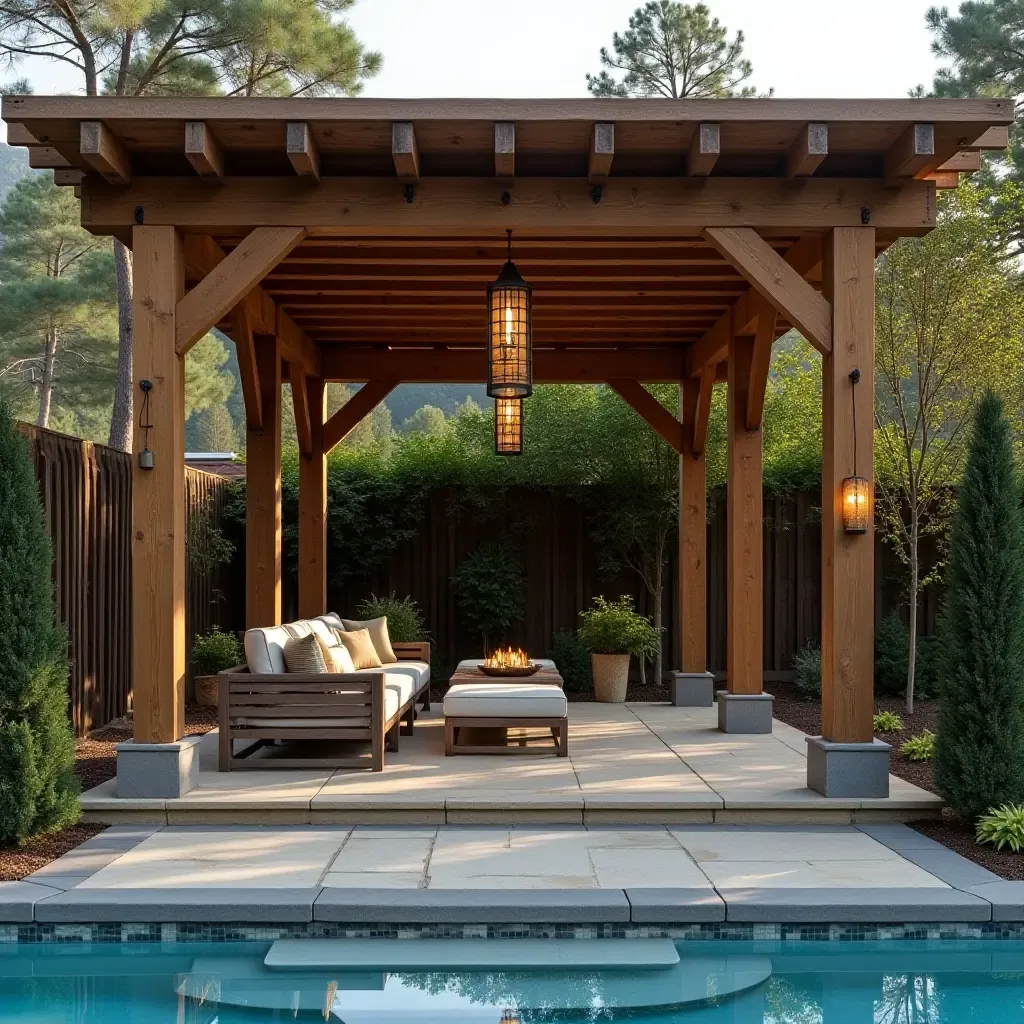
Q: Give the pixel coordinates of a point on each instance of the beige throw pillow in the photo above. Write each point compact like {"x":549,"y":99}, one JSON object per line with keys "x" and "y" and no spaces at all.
{"x":303,"y":654}
{"x":360,"y":647}
{"x":335,"y":653}
{"x":378,"y":630}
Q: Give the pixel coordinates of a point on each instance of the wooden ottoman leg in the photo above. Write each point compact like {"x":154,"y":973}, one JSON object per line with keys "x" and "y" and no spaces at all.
{"x":449,"y":737}
{"x":391,"y":737}
{"x":563,"y":738}
{"x":410,"y":718}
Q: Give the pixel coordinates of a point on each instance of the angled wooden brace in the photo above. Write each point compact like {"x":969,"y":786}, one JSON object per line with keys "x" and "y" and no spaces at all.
{"x":349,"y":416}
{"x":708,"y":377}
{"x":764,"y":338}
{"x":245,"y":350}
{"x":649,"y":408}
{"x":300,"y":403}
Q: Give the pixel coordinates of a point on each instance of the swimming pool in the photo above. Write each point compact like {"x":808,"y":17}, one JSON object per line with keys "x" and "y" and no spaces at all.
{"x":947,"y":982}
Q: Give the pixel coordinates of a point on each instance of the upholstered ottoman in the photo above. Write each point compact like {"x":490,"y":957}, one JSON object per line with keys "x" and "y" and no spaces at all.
{"x":498,"y":706}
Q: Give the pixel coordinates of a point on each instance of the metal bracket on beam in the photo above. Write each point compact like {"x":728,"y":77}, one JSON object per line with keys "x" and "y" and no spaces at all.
{"x":595,"y":193}
{"x":409,"y":191}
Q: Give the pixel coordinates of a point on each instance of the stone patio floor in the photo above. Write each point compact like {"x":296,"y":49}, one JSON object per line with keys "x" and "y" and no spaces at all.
{"x":627,"y":764}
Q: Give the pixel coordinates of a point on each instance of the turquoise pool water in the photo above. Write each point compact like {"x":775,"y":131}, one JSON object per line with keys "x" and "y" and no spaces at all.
{"x":792,"y":983}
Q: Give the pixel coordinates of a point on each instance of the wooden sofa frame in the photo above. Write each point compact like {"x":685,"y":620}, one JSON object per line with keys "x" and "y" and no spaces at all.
{"x":246,"y":696}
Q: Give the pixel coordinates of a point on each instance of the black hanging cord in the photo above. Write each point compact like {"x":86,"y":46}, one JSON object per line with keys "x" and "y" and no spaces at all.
{"x":144,"y":421}
{"x":854,"y":378}
{"x":508,"y":231}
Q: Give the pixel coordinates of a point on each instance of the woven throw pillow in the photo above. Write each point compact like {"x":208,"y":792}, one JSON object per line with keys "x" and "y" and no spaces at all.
{"x":360,"y":647}
{"x":303,"y":654}
{"x":378,"y":630}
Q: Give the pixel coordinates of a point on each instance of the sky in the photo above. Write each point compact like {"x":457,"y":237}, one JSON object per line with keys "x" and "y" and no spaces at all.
{"x":529,"y":48}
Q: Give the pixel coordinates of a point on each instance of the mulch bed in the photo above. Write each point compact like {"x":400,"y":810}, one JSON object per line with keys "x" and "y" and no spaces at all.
{"x":95,"y":762}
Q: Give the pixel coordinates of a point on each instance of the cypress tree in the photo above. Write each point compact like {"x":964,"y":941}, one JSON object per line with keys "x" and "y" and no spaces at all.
{"x":38,"y":788}
{"x":979,"y":751}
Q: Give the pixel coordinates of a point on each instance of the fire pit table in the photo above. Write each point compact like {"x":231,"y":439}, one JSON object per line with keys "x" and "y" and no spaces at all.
{"x":479,"y":710}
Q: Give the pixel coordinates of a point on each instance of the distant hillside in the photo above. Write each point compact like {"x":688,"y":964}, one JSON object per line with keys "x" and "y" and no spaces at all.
{"x":407,"y":398}
{"x":13,"y":165}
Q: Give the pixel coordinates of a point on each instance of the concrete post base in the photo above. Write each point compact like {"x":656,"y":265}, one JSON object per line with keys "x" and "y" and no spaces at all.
{"x":748,"y":713}
{"x":848,"y":769}
{"x":693,"y":689}
{"x":158,"y":770}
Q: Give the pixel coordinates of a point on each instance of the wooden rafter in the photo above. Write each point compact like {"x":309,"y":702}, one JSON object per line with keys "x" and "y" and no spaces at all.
{"x":302,"y":150}
{"x":777,"y":282}
{"x":650,"y":409}
{"x":102,"y":151}
{"x":911,"y":154}
{"x":504,"y":149}
{"x":704,"y":150}
{"x":351,"y":414}
{"x":405,"y":150}
{"x":602,"y":152}
{"x":203,"y":151}
{"x":808,"y":151}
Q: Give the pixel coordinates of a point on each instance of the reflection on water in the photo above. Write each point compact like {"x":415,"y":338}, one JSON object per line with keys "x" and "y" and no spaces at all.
{"x":774,"y":983}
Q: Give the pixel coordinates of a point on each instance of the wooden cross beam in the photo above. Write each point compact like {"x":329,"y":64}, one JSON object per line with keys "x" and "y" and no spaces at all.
{"x":349,"y":416}
{"x":650,"y":409}
{"x":302,"y":150}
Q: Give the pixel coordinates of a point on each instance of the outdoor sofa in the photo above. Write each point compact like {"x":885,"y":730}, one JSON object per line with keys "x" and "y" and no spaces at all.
{"x":264,"y":703}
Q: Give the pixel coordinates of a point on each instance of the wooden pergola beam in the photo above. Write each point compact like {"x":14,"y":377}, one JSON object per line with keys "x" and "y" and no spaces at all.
{"x":504,"y":149}
{"x":660,"y":420}
{"x":203,"y":151}
{"x":541,"y":207}
{"x":808,"y":151}
{"x":351,"y":414}
{"x":911,"y":154}
{"x":777,"y":282}
{"x":705,"y":149}
{"x":602,"y":152}
{"x":469,"y":366}
{"x":405,"y":151}
{"x":231,"y":279}
{"x":101,"y":150}
{"x":302,"y":150}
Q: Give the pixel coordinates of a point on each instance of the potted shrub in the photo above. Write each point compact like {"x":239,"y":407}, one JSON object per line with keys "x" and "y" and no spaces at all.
{"x":212,"y":653}
{"x":613,"y":631}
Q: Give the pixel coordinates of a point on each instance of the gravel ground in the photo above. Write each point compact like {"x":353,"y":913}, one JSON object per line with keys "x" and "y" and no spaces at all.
{"x":94,"y":763}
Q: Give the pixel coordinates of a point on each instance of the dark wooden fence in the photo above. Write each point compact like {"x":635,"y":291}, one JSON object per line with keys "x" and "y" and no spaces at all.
{"x":562,"y":570}
{"x":86,"y":495}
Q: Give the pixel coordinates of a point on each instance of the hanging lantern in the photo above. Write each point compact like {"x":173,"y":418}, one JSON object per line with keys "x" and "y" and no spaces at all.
{"x":856,"y":489}
{"x":510,"y":342}
{"x":508,"y":426}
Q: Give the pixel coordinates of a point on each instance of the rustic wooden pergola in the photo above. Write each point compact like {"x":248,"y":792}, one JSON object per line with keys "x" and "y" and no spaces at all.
{"x":352,"y":240}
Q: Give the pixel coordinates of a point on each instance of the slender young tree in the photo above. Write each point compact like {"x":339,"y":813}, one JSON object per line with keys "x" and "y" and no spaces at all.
{"x":979,"y":750}
{"x":153,"y":47}
{"x":38,"y":789}
{"x":673,"y":50}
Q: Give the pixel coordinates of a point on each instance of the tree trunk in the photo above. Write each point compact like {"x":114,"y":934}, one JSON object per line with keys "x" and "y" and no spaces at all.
{"x":659,"y":661}
{"x":46,"y":387}
{"x":914,"y":578}
{"x":121,"y":415}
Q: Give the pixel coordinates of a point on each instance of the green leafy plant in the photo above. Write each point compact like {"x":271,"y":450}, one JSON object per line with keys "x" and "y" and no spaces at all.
{"x":892,"y":654}
{"x":807,"y":666}
{"x":1003,"y":826}
{"x":572,"y":661}
{"x":215,"y":651}
{"x":405,"y":620}
{"x":38,"y":788}
{"x":491,"y":590}
{"x":614,"y":627}
{"x":887,"y":721}
{"x":920,"y":747}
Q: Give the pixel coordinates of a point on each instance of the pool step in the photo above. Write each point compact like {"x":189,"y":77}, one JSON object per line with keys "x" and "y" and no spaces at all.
{"x":471,"y":955}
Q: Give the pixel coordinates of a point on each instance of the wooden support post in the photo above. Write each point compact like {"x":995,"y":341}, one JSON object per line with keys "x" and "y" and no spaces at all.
{"x":158,"y":494}
{"x":693,"y":542}
{"x":847,"y":560}
{"x":744,"y":614}
{"x":263,"y":494}
{"x":313,"y":509}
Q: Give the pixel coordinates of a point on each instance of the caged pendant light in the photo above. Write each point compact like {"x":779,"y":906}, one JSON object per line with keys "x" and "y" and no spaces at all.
{"x":508,"y":426}
{"x":856,"y":489}
{"x":510,"y":341}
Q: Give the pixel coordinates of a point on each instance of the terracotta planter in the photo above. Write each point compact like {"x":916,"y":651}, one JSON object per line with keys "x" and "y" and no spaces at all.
{"x":207,"y":689}
{"x":611,"y":674}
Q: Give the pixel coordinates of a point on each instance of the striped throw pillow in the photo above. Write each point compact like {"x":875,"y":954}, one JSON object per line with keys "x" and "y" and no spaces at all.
{"x":303,"y":654}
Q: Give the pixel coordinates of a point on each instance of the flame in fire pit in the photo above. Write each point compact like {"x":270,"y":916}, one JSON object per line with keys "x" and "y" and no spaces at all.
{"x":508,"y":658}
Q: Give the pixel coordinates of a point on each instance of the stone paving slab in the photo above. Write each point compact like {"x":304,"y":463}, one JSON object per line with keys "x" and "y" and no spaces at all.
{"x":674,"y":906}
{"x":179,"y":905}
{"x":477,"y":906}
{"x":834,"y":905}
{"x":1006,"y":898}
{"x":18,"y":900}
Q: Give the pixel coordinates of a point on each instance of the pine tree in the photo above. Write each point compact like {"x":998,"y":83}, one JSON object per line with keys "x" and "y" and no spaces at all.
{"x":38,"y":789}
{"x":979,"y":754}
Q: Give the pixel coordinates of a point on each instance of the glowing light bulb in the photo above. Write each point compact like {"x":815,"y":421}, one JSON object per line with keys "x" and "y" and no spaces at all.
{"x":509,"y":332}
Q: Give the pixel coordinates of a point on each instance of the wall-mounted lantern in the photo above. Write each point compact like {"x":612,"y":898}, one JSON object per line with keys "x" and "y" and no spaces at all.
{"x":856,"y":489}
{"x":510,"y":341}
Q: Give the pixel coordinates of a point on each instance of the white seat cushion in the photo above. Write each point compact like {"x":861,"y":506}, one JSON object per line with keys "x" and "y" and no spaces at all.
{"x":504,"y":700}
